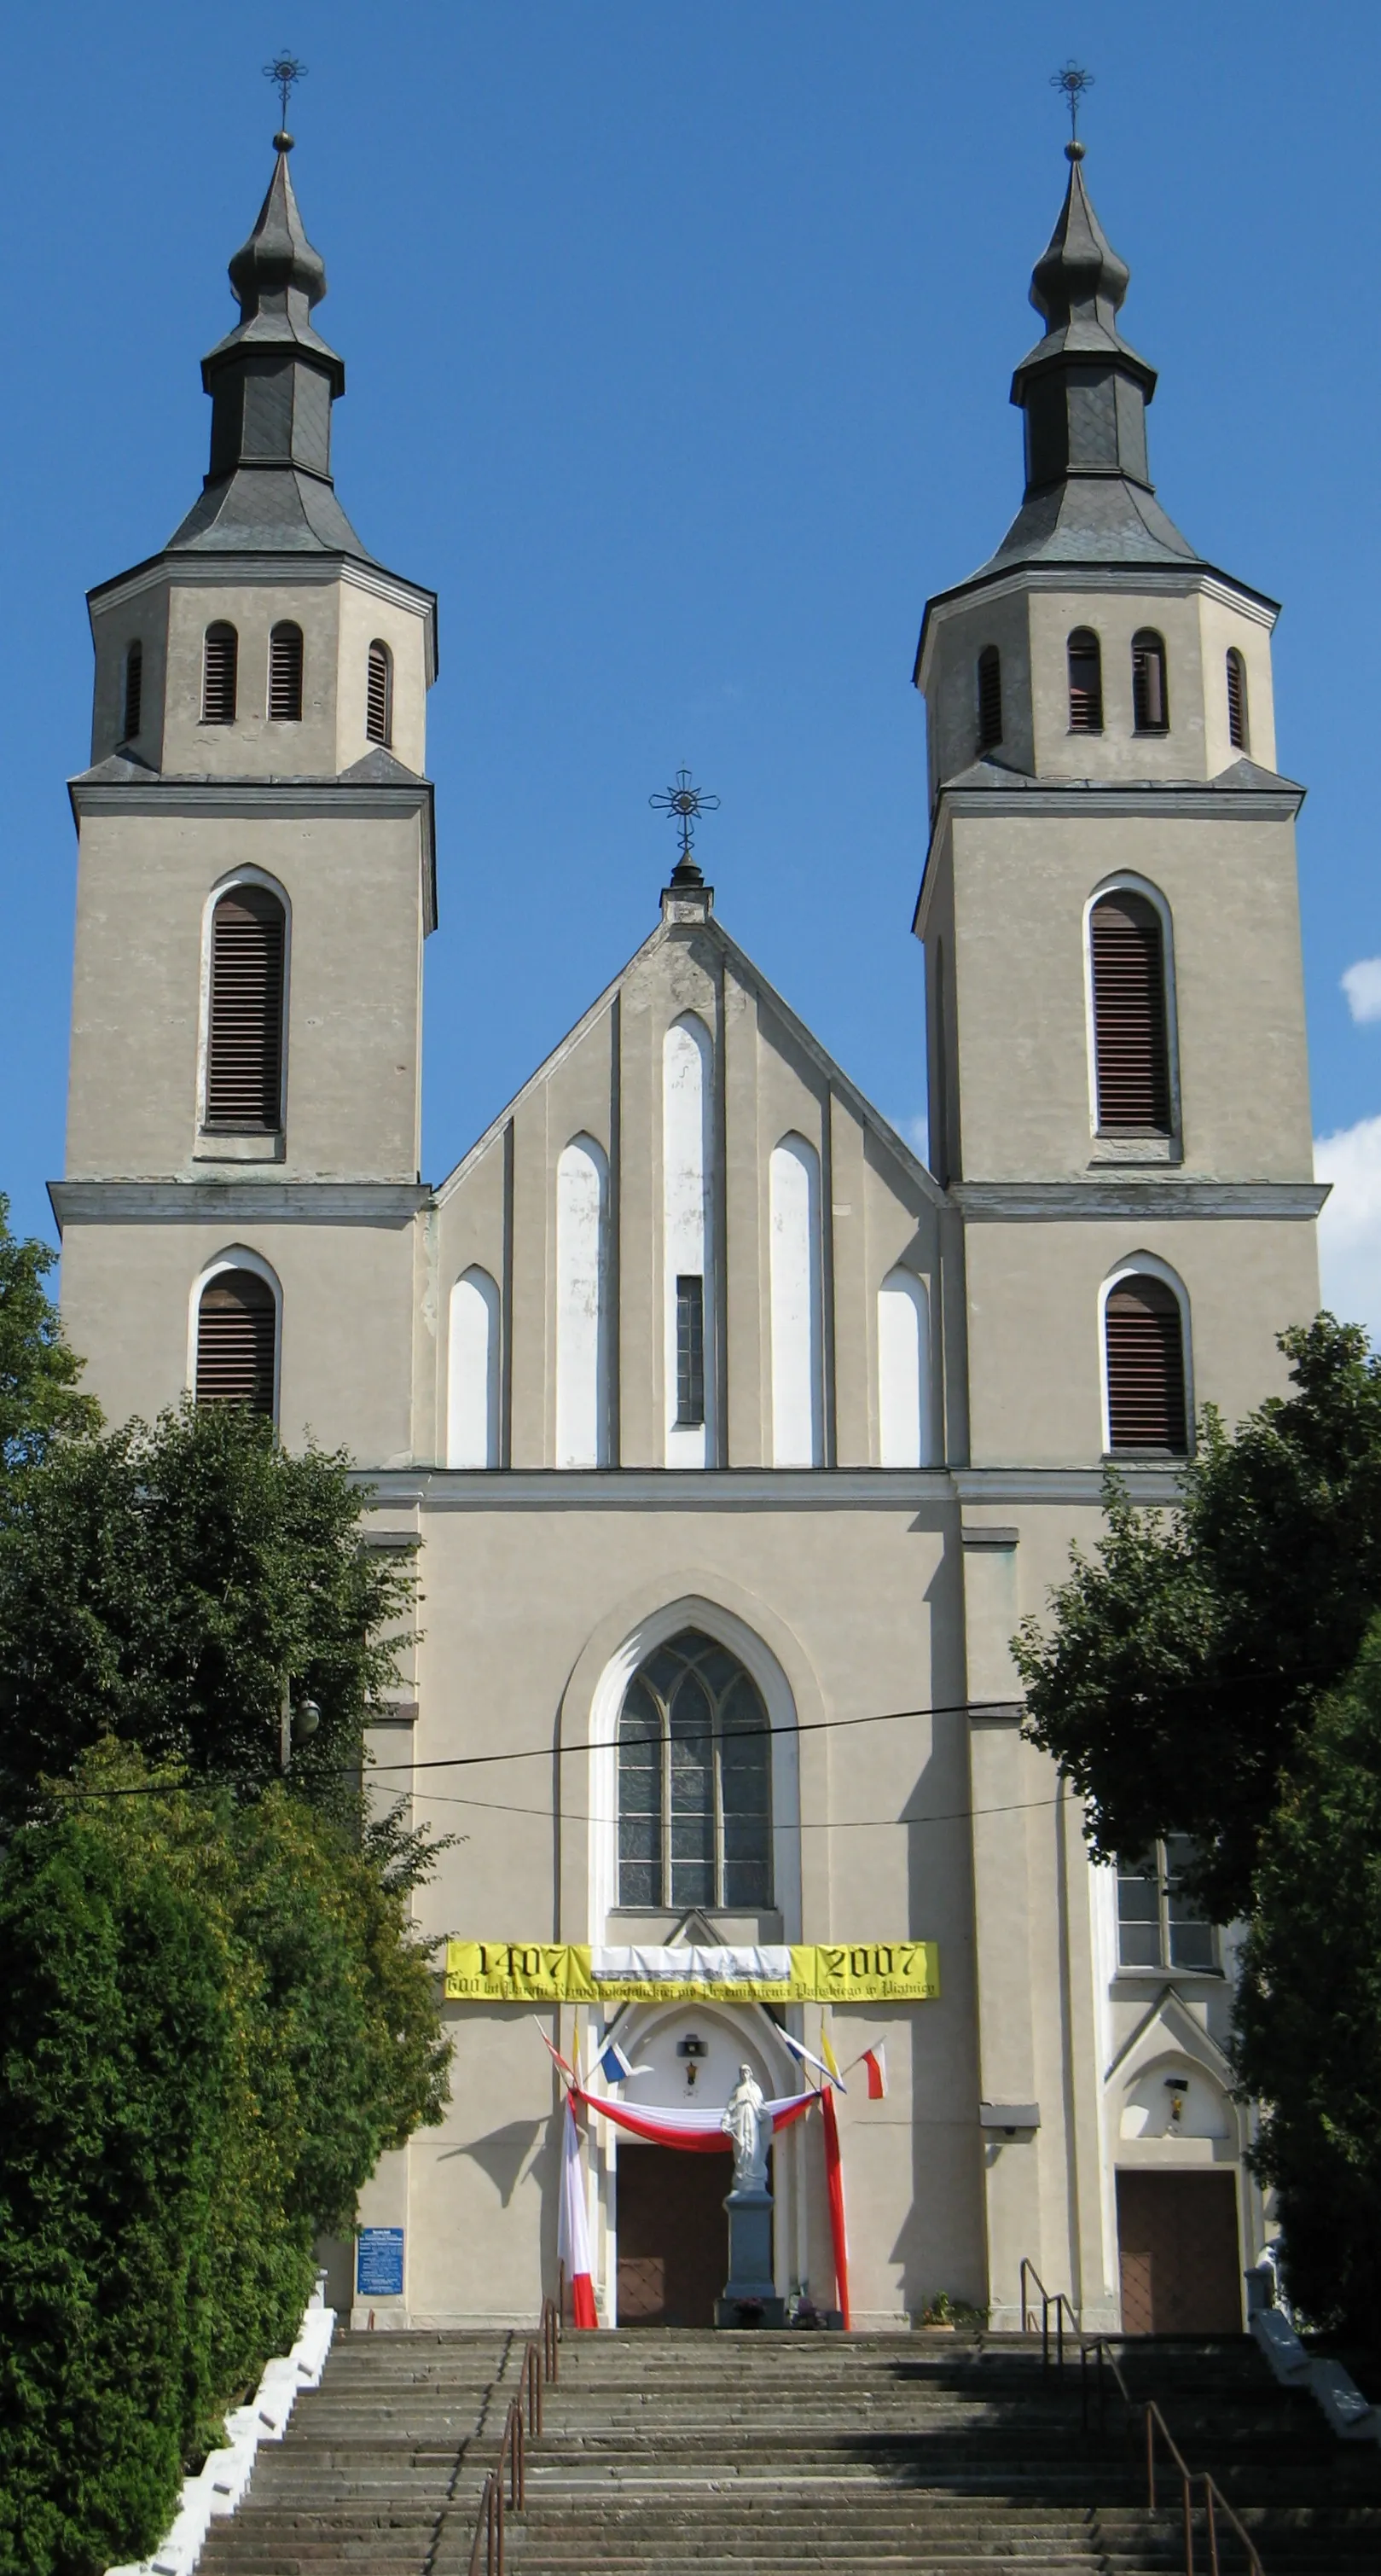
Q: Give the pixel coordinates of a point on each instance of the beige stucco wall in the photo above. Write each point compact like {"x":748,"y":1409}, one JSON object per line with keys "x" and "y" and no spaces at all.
{"x":340,"y":616}
{"x":1018,"y":987}
{"x":353,"y":1058}
{"x":348,"y":1295}
{"x":1035,"y":1338}
{"x":1030,"y":620}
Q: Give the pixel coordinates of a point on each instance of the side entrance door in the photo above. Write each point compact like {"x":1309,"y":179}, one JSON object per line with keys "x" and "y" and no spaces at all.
{"x":673,"y":2235}
{"x":1180,"y":2257}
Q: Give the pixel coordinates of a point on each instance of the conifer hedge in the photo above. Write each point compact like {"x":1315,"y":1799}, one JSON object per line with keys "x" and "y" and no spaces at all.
{"x":213,"y":2020}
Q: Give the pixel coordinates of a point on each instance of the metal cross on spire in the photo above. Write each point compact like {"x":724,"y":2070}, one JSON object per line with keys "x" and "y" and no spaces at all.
{"x":1073,"y":82}
{"x":285,"y":71}
{"x":684,"y":803}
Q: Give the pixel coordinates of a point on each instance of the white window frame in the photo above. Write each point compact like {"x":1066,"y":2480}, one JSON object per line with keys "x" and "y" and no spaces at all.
{"x":1164,"y":1966}
{"x":1145,"y":1265}
{"x":1125,"y":881}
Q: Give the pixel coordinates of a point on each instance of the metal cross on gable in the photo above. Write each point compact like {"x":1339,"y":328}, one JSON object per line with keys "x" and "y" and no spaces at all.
{"x":285,"y":71}
{"x":685,"y":802}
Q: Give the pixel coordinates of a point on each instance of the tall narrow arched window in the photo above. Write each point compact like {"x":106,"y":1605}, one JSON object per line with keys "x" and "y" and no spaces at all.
{"x":1143,"y":1329}
{"x":1150,"y":692}
{"x":472,"y":1391}
{"x":1085,"y":681}
{"x":695,"y":1781}
{"x":285,"y":673}
{"x":582,"y":1296}
{"x":989,"y":698}
{"x":378,"y":714}
{"x":133,"y":710}
{"x":219,"y":670}
{"x":903,"y":1371}
{"x":237,"y":1338}
{"x":1130,"y":1033}
{"x":244,"y":1038}
{"x":798,"y":1403}
{"x":1238,"y":732}
{"x":688,"y":1337}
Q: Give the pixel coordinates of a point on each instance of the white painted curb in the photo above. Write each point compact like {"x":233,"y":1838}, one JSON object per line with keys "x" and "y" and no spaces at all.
{"x":223,"y":2478}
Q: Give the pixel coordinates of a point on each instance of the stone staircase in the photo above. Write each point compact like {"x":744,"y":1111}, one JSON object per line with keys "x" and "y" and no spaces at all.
{"x":689,"y":2454}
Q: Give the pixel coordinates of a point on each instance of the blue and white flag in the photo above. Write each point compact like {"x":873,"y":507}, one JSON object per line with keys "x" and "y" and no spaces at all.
{"x":831,"y":2073}
{"x":615,"y":2067}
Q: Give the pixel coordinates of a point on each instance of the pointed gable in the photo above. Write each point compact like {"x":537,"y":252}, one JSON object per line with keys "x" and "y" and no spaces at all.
{"x":685,"y":1223}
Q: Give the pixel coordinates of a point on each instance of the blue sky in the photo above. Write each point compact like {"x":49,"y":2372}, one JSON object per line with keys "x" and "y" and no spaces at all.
{"x":679,"y":335}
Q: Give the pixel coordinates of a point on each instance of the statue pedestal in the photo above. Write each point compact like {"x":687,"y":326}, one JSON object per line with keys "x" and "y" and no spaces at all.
{"x":750,"y":2293}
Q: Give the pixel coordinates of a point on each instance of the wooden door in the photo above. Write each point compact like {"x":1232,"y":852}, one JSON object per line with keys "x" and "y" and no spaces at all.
{"x":1180,"y":2258}
{"x":673,"y":2235}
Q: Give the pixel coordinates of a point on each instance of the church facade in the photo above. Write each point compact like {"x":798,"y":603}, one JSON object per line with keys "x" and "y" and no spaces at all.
{"x":729,"y":1438}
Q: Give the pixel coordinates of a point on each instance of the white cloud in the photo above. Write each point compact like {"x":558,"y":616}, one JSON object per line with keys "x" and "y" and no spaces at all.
{"x":1350,"y":1226}
{"x":1362,"y":985}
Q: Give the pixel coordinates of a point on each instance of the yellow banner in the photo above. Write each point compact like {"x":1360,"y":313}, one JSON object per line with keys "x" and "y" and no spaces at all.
{"x":560,"y":1972}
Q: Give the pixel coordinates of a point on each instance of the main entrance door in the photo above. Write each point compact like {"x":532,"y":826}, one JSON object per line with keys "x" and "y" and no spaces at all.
{"x":1177,"y":2239}
{"x":673,"y":2235}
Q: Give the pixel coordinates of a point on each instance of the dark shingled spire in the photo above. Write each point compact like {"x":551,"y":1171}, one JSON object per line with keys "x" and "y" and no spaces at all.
{"x":1084,"y":391}
{"x":272,"y":382}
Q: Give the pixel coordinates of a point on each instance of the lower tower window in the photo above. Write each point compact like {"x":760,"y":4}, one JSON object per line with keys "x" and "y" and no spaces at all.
{"x":237,"y":1341}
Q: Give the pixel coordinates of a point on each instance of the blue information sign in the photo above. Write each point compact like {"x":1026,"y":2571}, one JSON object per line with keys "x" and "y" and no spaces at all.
{"x":379,"y":2263}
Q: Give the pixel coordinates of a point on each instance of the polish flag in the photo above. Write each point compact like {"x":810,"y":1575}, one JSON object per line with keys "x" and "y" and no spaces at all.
{"x":875,"y":2060}
{"x":573,"y":2229}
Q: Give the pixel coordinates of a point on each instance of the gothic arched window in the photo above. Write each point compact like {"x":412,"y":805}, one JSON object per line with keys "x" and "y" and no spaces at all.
{"x":285,"y":673}
{"x":219,"y":667}
{"x":695,"y":1781}
{"x":237,"y":1341}
{"x":1085,"y":681}
{"x":378,"y":712}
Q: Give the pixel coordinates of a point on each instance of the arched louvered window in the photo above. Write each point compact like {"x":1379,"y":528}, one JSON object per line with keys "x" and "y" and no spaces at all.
{"x":378,"y":719}
{"x":1237,"y":701}
{"x":1130,"y":1033}
{"x":237,"y":1337}
{"x":1144,"y":1338}
{"x":1150,"y":695}
{"x":134,"y":693}
{"x":285,"y":673}
{"x":244,"y":1052}
{"x":695,"y":1781}
{"x":1085,"y":681}
{"x":220,"y":664}
{"x":989,"y":698}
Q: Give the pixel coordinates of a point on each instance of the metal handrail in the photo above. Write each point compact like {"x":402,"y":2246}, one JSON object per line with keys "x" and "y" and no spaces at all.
{"x":499,"y":2496}
{"x":1049,"y":2299}
{"x":1099,"y":2346}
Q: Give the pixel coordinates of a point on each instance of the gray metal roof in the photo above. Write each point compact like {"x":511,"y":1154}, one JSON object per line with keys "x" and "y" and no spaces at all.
{"x":1084,"y":391}
{"x":272,"y":382}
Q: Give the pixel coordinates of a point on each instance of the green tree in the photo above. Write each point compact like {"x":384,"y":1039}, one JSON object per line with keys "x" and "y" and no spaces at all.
{"x":216,"y":2017}
{"x":115,"y":2037}
{"x":165,"y":1585}
{"x":39,"y":1398}
{"x":1179,"y":1672}
{"x":1309,"y":2007}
